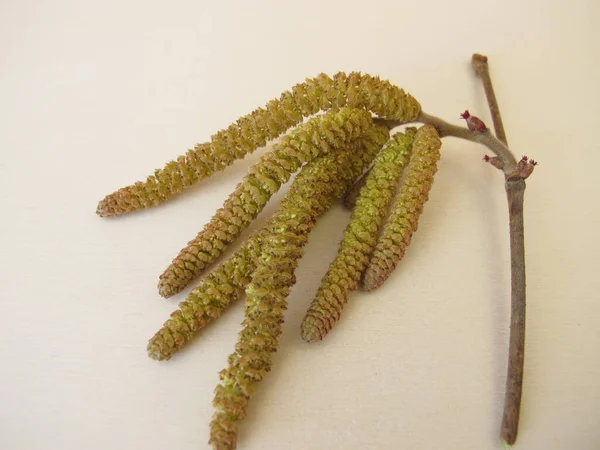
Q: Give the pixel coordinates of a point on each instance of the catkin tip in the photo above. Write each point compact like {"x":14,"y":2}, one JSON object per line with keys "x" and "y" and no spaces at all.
{"x":155,"y":353}
{"x":166,"y":289}
{"x":103,"y":209}
{"x":223,"y":433}
{"x":310,"y":331}
{"x":310,"y":336}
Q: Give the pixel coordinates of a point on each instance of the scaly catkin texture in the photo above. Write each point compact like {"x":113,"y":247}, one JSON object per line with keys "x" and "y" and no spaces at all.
{"x":349,"y":200}
{"x":222,"y":286}
{"x":282,"y":246}
{"x":359,"y":239}
{"x":226,"y":283}
{"x":407,"y":207}
{"x":255,"y":129}
{"x":264,"y":315}
{"x":333,"y":130}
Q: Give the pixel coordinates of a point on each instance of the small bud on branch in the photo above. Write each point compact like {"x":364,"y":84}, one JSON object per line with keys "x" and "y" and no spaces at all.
{"x":524,"y":168}
{"x":474,"y":123}
{"x":494,"y":161}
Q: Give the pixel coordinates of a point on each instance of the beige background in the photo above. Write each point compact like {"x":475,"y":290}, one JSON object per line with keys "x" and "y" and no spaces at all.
{"x":96,"y":94}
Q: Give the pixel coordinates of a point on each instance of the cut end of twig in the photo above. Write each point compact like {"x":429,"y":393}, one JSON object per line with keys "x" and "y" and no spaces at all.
{"x":506,"y":445}
{"x":479,"y":62}
{"x":509,"y":435}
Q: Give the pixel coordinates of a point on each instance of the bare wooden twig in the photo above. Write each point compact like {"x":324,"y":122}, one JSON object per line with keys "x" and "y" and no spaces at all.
{"x":515,"y":191}
{"x":480,"y":64}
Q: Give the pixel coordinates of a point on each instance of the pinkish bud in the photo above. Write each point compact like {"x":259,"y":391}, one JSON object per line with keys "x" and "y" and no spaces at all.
{"x":525,"y":167}
{"x":528,"y":169}
{"x":474,"y":123}
{"x":494,"y":161}
{"x":522,"y":166}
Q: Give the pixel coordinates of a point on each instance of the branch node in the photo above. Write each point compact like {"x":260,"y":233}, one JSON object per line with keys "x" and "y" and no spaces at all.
{"x":524,"y":168}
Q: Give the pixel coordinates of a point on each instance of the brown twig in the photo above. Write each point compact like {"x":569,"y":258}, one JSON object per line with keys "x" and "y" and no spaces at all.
{"x":515,"y":174}
{"x":485,"y":138}
{"x":515,"y":191}
{"x":480,"y":64}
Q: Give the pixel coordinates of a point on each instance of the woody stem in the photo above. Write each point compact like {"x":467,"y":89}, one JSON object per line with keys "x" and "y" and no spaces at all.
{"x":515,"y":191}
{"x":479,"y":63}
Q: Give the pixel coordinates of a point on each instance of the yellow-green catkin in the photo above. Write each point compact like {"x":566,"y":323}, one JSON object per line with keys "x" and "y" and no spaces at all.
{"x":226,"y":283}
{"x":255,"y":129}
{"x":332,"y":130}
{"x":222,"y":286}
{"x":360,"y":238}
{"x":407,"y":208}
{"x":266,"y":303}
{"x":350,"y":197}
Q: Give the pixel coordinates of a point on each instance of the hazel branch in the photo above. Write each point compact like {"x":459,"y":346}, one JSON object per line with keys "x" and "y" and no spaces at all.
{"x":515,"y":175}
{"x":480,"y":64}
{"x":482,"y":137}
{"x":515,"y":194}
{"x":515,"y":191}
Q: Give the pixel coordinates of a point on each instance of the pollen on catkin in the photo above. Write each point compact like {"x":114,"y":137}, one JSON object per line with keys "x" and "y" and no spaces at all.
{"x":282,"y":247}
{"x":408,"y":206}
{"x":254,"y":130}
{"x":359,"y":239}
{"x":322,"y":134}
{"x":222,"y":286}
{"x":226,"y":283}
{"x":349,"y":200}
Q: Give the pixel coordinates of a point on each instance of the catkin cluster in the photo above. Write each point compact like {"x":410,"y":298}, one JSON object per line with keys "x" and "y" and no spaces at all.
{"x":330,"y":152}
{"x":281,"y":248}
{"x":368,"y":249}
{"x":227,"y":282}
{"x":359,"y":239}
{"x":322,"y":134}
{"x":222,"y":286}
{"x":408,"y":206}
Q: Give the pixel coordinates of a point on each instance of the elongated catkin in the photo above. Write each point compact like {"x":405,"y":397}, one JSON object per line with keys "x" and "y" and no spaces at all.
{"x":226,"y":283}
{"x":360,"y":237}
{"x":255,"y":129}
{"x":407,"y":207}
{"x":333,"y":130}
{"x":282,"y":247}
